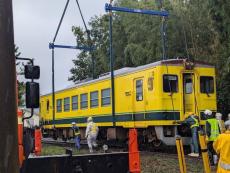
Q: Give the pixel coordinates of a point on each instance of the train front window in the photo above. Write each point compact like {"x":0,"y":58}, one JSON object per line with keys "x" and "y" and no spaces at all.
{"x":170,"y":83}
{"x":59,"y":105}
{"x":94,"y":99}
{"x":139,"y":90}
{"x":84,"y":101}
{"x":66,"y":104}
{"x":206,"y":84}
{"x":105,"y":97}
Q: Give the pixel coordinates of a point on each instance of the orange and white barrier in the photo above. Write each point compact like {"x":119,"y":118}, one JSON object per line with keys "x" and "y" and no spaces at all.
{"x":134,"y":155}
{"x":20,"y":137}
{"x":37,"y":142}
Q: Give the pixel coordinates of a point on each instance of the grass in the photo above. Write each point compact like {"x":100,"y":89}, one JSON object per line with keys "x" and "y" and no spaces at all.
{"x":57,"y":150}
{"x":150,"y":162}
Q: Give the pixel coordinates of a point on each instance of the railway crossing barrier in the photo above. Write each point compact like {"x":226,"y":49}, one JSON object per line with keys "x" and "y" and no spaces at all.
{"x":180,"y":152}
{"x":204,"y":152}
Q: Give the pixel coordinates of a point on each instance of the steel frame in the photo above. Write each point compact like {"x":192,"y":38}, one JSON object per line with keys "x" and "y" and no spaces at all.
{"x":109,"y":8}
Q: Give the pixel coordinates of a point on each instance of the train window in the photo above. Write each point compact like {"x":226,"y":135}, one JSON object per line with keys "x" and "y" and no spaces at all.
{"x":66,"y":104}
{"x":94,"y":99}
{"x":105,"y":97}
{"x":84,"y":101}
{"x":75,"y":103}
{"x":139,"y":90}
{"x":59,"y":105}
{"x":206,"y":84}
{"x":170,"y":83}
{"x":188,"y":86}
{"x":47,"y":105}
{"x":150,"y":83}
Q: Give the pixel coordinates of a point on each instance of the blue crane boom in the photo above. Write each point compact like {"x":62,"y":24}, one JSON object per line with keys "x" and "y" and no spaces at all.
{"x":85,"y":48}
{"x":109,"y":7}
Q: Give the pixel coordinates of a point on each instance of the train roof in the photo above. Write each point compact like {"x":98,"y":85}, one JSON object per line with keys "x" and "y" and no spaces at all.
{"x":126,"y":70}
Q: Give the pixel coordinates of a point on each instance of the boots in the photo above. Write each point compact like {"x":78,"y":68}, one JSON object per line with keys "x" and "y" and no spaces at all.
{"x":194,"y":154}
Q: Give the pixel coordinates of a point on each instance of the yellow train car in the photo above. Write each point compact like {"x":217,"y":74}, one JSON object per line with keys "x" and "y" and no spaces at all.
{"x":149,"y":97}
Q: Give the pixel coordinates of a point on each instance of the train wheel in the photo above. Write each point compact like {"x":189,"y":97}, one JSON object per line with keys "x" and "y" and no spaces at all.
{"x":64,"y":138}
{"x":157,"y":143}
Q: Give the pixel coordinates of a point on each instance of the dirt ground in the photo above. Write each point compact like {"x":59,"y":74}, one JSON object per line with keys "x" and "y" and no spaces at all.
{"x":150,"y":162}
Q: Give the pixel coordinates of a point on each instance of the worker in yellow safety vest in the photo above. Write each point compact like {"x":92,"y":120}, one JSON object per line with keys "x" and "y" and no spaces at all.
{"x":91,"y":134}
{"x":222,"y":148}
{"x":193,"y":122}
{"x":212,"y":131}
{"x":77,"y":135}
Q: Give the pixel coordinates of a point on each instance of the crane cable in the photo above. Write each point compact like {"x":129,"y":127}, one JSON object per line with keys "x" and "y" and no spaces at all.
{"x":82,"y":17}
{"x":89,"y":40}
{"x":60,"y":22}
{"x":192,"y":77}
{"x":164,"y":57}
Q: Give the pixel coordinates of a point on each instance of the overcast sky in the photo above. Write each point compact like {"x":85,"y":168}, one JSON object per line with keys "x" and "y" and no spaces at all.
{"x":35,"y":23}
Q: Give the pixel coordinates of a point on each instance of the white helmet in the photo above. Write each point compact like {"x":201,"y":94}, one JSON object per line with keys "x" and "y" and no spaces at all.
{"x":227,"y":124}
{"x":218,"y":115}
{"x":208,"y":112}
{"x":73,"y":123}
{"x":90,"y":119}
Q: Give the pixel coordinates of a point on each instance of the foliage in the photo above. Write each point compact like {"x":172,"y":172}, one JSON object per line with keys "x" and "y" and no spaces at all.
{"x":21,"y":85}
{"x":195,"y":29}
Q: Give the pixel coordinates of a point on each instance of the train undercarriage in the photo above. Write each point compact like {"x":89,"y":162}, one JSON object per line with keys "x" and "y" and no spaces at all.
{"x":153,"y":136}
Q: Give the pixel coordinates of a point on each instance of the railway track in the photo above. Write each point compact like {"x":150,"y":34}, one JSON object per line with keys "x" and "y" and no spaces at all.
{"x":170,"y":152}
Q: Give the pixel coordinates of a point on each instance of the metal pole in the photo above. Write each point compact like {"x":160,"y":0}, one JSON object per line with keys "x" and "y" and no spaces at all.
{"x":163,"y":35}
{"x":204,"y":151}
{"x":112,"y":65}
{"x":180,"y":152}
{"x":53,"y":87}
{"x":93,"y":65}
{"x":9,"y":161}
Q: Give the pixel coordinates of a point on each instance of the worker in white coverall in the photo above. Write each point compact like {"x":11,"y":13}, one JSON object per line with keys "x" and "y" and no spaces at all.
{"x":228,"y":121}
{"x":91,"y":134}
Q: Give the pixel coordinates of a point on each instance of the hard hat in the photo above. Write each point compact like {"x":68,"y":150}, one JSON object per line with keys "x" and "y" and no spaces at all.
{"x":89,"y":119}
{"x":208,"y":112}
{"x":227,"y":124}
{"x":218,"y":114}
{"x":190,"y":113}
{"x":73,"y":123}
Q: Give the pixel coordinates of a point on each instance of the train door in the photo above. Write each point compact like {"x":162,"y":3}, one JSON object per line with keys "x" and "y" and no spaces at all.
{"x":189,"y":93}
{"x":138,"y":99}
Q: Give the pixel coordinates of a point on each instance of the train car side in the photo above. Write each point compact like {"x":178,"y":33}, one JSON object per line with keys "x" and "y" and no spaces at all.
{"x":149,"y":97}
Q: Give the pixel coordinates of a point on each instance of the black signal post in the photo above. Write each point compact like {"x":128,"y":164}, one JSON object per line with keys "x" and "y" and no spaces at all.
{"x":8,"y":111}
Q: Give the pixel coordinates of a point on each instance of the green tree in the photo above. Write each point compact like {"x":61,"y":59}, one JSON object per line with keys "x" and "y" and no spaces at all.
{"x":20,"y":85}
{"x":195,"y":29}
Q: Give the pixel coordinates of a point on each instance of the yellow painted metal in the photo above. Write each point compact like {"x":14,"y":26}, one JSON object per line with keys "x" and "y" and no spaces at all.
{"x":180,"y":152}
{"x":204,"y":151}
{"x":154,"y":99}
